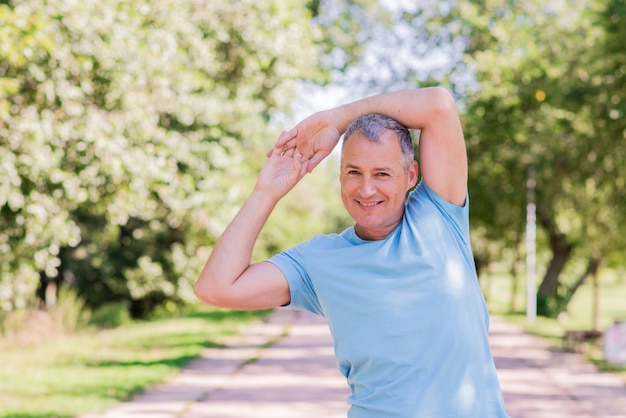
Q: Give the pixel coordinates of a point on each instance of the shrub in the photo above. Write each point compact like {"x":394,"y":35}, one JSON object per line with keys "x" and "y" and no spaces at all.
{"x":111,"y":315}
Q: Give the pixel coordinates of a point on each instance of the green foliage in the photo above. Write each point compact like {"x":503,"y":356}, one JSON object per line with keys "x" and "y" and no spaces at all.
{"x":131,"y":132}
{"x":122,"y":128}
{"x":543,"y":102}
{"x":110,"y":315}
{"x":498,"y":287}
{"x":69,"y":311}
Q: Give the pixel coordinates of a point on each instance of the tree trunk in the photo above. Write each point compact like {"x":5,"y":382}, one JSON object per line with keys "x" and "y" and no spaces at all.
{"x":593,"y":265}
{"x":560,"y":255}
{"x":547,"y":295}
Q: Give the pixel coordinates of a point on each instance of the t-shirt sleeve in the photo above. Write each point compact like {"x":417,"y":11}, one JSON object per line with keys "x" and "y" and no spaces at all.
{"x":292,"y":263}
{"x":457,"y":216}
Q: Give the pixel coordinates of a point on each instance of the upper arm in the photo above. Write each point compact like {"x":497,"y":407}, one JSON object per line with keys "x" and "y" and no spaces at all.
{"x":260,"y":286}
{"x":442,"y":152}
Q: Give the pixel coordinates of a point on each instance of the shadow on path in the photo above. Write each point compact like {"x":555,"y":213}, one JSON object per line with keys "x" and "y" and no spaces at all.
{"x":285,"y":368}
{"x":541,"y":382}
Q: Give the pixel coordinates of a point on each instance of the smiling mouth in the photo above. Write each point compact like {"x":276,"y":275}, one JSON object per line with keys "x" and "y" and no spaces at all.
{"x":368,"y":204}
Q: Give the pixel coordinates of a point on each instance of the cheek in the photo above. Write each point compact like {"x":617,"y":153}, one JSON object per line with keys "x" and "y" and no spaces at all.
{"x":347,"y":186}
{"x":396,"y":193}
{"x":344,"y":190}
{"x":345,"y":196}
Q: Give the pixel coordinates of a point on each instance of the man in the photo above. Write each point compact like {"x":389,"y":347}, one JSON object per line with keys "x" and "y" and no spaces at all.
{"x":399,"y":289}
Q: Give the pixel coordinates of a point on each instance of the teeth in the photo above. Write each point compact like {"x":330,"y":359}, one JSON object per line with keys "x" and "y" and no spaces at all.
{"x":368,"y":204}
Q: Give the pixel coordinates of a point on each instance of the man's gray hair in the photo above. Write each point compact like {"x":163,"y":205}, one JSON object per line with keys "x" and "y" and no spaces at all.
{"x":373,"y":126}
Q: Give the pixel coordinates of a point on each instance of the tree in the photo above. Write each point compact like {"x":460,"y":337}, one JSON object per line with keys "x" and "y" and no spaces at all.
{"x":540,"y":83}
{"x":122,"y":126}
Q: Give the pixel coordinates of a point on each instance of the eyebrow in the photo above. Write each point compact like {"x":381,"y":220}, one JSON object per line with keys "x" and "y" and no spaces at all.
{"x":375,"y":168}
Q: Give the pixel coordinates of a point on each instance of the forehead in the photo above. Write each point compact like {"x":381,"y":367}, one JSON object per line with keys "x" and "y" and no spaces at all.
{"x":360,"y":151}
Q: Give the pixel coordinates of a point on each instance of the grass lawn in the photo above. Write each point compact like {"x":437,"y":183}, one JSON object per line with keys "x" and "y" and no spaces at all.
{"x":90,"y":372}
{"x":579,"y":316}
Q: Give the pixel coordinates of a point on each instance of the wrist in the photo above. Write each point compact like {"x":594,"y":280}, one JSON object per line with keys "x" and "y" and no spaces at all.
{"x":265,"y":199}
{"x":344,"y":115}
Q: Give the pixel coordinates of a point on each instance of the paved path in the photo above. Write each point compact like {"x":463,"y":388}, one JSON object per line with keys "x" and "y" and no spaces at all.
{"x":541,"y":382}
{"x":297,"y":377}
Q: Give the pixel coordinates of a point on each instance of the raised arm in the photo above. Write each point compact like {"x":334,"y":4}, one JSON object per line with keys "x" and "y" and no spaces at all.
{"x":442,"y":154}
{"x":228,"y":279}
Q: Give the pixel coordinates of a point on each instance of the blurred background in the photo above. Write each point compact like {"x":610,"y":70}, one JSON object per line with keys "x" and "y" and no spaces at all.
{"x":131,"y":132}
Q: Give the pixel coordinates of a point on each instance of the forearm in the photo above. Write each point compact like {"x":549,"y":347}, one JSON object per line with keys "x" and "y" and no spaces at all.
{"x":416,"y":109}
{"x":232,"y":253}
{"x":432,"y":110}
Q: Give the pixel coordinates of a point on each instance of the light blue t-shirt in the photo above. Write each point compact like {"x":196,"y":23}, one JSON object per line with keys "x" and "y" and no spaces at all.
{"x":408,"y":318}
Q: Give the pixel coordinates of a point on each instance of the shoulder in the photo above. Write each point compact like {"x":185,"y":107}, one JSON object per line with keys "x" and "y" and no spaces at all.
{"x":423,"y":200}
{"x":423,"y":191}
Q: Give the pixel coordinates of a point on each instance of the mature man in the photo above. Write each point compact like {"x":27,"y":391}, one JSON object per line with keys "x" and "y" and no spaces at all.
{"x":399,"y":288}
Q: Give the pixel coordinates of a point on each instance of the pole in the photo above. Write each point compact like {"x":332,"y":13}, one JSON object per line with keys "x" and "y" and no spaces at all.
{"x":531,"y":249}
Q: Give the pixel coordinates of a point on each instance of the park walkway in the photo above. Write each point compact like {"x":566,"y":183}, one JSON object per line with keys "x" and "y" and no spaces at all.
{"x":284,"y":368}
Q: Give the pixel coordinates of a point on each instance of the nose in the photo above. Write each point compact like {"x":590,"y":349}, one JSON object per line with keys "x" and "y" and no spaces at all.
{"x":367,"y":187}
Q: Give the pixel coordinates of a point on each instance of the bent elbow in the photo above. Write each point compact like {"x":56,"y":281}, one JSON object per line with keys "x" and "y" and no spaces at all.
{"x":443,"y":99}
{"x":208,"y":294}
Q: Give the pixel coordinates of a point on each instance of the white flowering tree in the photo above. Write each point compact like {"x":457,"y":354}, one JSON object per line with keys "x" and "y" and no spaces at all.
{"x":123,"y":129}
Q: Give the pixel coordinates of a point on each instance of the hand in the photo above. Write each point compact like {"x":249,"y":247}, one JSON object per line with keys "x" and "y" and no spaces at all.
{"x":281,"y":173}
{"x":314,"y":138}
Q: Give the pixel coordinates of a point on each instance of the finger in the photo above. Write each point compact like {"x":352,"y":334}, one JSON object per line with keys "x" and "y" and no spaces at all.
{"x":280,"y":138}
{"x":275,"y":151}
{"x":289,"y":152}
{"x":285,"y":137}
{"x":290,"y":144}
{"x":298,"y":165}
{"x":312,"y":162}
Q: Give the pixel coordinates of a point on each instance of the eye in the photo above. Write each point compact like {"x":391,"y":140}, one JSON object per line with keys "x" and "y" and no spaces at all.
{"x":382,"y":174}
{"x":353,"y":172}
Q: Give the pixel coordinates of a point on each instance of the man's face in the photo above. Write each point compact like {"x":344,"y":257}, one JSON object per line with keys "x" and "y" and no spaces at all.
{"x":374,"y":184}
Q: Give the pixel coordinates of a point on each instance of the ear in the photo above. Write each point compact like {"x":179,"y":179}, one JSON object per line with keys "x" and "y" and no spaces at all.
{"x":413,"y":175}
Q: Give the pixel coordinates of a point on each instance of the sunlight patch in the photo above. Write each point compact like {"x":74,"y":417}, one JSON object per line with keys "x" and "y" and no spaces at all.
{"x":455,"y":274}
{"x":467,"y":394}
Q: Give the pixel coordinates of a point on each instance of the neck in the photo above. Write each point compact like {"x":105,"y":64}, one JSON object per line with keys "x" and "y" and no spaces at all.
{"x":377,"y":234}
